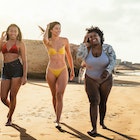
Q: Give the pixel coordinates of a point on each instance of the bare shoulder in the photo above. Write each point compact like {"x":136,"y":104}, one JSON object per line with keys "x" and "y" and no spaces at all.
{"x":64,"y":39}
{"x":20,"y":44}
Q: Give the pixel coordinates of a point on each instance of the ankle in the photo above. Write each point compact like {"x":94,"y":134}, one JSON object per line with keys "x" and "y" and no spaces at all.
{"x":94,"y":130}
{"x":93,"y":133}
{"x":101,"y":122}
{"x":103,"y":126}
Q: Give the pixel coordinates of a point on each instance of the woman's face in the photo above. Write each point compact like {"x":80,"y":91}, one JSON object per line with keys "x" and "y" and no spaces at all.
{"x":94,"y":38}
{"x":56,"y":30}
{"x":13,"y":32}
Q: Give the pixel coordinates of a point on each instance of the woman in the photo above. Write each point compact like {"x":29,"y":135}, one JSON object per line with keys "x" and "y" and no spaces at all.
{"x":57,"y":73}
{"x":99,"y":60}
{"x":14,"y":73}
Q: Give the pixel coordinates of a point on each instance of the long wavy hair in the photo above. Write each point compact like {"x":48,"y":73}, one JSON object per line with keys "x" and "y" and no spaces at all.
{"x":51,"y":25}
{"x":19,"y":37}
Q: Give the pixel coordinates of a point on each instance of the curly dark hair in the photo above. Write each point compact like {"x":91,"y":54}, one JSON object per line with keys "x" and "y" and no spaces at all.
{"x":98,"y":31}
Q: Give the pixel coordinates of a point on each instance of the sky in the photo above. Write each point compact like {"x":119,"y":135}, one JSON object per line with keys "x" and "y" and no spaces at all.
{"x":118,"y":19}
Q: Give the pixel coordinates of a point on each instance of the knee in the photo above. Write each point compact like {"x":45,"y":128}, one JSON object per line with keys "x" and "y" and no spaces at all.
{"x":94,"y":104}
{"x":59,"y":96}
{"x":103,"y":102}
{"x":94,"y":101}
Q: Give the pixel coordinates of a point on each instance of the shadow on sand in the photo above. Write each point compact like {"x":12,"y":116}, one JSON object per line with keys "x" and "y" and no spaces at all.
{"x":33,"y":83}
{"x":80,"y":135}
{"x":123,"y":135}
{"x":23,"y":134}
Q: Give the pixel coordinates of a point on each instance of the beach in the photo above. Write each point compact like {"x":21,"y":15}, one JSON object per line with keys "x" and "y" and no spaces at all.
{"x":34,"y":117}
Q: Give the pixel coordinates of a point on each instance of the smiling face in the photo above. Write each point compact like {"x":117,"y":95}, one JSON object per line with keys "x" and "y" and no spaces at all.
{"x":94,"y":38}
{"x":56,"y":30}
{"x":13,"y":32}
{"x":95,"y":35}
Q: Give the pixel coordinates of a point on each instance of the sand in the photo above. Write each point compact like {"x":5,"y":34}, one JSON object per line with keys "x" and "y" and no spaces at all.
{"x":34,"y":115}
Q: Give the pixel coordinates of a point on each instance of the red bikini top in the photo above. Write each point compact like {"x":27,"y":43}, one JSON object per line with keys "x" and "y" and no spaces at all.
{"x":13,"y":49}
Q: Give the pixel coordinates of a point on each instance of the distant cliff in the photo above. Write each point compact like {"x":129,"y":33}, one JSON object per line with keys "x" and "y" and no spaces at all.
{"x":37,"y":58}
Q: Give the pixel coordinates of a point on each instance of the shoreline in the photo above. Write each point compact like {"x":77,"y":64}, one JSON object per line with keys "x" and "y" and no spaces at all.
{"x":128,"y":72}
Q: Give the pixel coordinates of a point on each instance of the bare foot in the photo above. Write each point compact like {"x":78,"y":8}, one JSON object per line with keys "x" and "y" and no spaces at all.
{"x":103,"y":125}
{"x":92,"y":133}
{"x":57,"y":125}
{"x":9,"y":123}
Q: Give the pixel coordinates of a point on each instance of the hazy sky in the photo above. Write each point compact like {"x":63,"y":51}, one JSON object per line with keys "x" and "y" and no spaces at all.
{"x":119,"y":20}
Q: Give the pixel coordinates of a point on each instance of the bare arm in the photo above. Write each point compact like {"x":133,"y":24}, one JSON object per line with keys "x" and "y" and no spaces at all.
{"x":45,"y":37}
{"x":69,"y":58}
{"x":86,"y":41}
{"x":2,"y":39}
{"x":24,"y":62}
{"x":84,"y":48}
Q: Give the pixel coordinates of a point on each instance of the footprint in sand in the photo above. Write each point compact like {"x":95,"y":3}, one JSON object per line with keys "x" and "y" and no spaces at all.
{"x":28,"y":120}
{"x":43,"y":134}
{"x":11,"y":135}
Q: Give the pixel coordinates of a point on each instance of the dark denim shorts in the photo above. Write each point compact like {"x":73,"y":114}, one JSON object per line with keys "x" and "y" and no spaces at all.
{"x":12,"y":70}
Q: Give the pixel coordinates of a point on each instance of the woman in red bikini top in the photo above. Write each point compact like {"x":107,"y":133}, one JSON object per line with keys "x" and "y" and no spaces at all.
{"x":14,"y":73}
{"x":13,"y":49}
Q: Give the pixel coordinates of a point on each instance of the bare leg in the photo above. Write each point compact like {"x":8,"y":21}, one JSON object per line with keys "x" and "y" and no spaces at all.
{"x":5,"y":87}
{"x":15,"y":85}
{"x":94,"y":115}
{"x":104,"y":93}
{"x":51,"y":79}
{"x":57,"y":86}
{"x":61,"y":85}
{"x":92,"y":90}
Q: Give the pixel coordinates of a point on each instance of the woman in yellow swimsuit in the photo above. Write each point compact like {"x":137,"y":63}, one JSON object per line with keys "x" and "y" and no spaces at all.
{"x":57,"y":72}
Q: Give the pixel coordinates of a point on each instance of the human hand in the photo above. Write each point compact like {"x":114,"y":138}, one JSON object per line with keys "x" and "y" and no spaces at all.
{"x":48,"y":26}
{"x":3,"y":36}
{"x":105,"y":74}
{"x":46,"y":31}
{"x":86,"y":41}
{"x":72,"y":75}
{"x":83,"y":64}
{"x":23,"y":80}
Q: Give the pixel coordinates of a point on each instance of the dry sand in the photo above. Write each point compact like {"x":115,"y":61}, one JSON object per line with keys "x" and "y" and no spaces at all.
{"x":34,"y":114}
